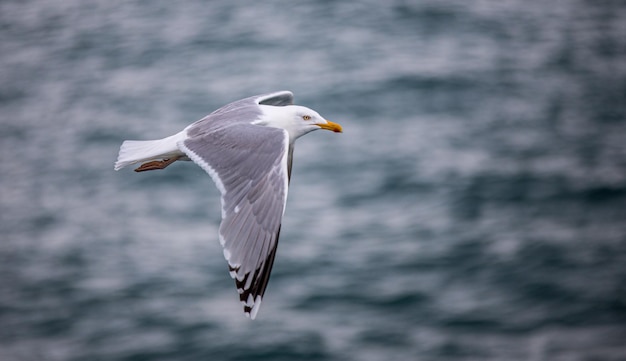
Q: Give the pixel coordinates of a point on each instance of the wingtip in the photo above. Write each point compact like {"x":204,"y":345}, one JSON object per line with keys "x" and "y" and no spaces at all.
{"x":251,"y":311}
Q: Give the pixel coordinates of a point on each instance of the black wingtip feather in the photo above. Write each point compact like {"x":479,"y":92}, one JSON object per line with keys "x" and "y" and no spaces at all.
{"x":260,"y":279}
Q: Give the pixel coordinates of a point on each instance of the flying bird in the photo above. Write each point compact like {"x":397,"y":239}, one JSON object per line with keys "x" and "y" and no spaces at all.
{"x":247,"y":149}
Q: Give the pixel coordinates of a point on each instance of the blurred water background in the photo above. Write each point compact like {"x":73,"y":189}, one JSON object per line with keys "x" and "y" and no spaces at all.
{"x":474,"y":208}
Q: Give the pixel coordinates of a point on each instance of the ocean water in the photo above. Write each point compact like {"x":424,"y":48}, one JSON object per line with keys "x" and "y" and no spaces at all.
{"x":473,"y":209}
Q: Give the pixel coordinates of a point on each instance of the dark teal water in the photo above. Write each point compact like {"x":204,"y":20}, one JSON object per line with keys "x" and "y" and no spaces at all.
{"x":474,"y":208}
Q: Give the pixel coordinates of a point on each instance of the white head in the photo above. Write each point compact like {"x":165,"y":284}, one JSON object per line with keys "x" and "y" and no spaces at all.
{"x":295,"y":119}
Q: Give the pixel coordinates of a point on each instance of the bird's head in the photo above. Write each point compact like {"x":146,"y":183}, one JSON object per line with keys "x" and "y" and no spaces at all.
{"x":296,"y":120}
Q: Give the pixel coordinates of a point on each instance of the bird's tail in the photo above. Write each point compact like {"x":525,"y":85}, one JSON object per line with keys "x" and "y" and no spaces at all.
{"x":136,"y":151}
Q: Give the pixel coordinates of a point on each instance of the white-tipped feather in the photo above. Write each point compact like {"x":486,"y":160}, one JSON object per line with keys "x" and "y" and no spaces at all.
{"x":135,"y":151}
{"x":255,"y":308}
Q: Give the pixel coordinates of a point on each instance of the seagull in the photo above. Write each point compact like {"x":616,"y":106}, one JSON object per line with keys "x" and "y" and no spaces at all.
{"x":247,"y":149}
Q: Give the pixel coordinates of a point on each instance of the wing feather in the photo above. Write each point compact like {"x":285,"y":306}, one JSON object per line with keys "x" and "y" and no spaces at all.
{"x":249,"y":163}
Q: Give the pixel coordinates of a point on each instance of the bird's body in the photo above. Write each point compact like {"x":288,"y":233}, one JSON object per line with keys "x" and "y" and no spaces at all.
{"x":246,"y":147}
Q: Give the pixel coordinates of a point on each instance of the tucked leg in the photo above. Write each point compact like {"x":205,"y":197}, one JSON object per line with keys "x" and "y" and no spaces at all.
{"x":156,"y":164}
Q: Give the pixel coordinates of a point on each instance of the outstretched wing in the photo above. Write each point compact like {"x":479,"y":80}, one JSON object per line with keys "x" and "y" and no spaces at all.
{"x":244,"y":111}
{"x":249,"y":165}
{"x":280,"y":98}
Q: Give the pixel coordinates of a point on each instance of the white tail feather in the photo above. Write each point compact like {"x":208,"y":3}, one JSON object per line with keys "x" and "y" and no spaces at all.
{"x":135,"y":151}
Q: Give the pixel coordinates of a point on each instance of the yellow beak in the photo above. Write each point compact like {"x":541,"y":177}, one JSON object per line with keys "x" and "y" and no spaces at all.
{"x":331,"y":126}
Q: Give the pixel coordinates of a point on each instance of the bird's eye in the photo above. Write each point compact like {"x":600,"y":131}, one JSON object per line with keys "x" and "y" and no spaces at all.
{"x":306,"y":117}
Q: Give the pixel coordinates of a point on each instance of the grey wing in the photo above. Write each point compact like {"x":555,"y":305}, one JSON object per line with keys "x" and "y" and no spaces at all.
{"x":280,"y":98}
{"x":248,"y":163}
{"x":244,"y":111}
